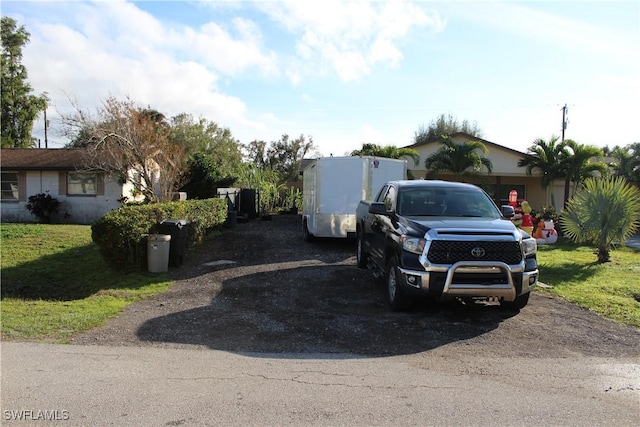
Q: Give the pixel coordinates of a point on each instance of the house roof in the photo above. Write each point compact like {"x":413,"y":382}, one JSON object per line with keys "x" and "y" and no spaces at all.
{"x":463,"y":135}
{"x":43,"y":158}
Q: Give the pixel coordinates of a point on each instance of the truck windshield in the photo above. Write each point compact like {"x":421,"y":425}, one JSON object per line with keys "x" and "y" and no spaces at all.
{"x":446,"y":202}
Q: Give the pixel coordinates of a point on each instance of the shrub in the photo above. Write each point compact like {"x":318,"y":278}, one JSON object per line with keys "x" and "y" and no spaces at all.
{"x":121,"y":234}
{"x":546,"y":213}
{"x":293,"y":199}
{"x":270,"y":197}
{"x":43,"y":206}
{"x":605,"y":211}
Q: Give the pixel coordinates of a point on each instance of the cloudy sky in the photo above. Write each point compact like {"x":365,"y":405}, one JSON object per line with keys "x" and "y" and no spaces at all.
{"x":346,"y":72}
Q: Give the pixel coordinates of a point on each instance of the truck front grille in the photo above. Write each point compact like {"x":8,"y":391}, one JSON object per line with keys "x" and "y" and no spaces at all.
{"x":449,"y":252}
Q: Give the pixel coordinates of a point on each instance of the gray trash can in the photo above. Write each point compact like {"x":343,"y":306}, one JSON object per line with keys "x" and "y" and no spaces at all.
{"x":158,"y":246}
{"x":177,"y":229}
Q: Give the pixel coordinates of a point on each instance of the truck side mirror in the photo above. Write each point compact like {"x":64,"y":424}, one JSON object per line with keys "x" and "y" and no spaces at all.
{"x":378,"y":208}
{"x":508,"y":211}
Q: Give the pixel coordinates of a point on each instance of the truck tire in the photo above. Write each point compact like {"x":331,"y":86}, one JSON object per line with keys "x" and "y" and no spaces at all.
{"x":518,"y":304}
{"x":398,"y":300}
{"x":361,"y":256}
{"x":306,"y":235}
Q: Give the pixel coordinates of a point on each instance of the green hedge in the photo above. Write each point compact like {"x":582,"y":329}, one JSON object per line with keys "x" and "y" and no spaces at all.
{"x":122,"y":234}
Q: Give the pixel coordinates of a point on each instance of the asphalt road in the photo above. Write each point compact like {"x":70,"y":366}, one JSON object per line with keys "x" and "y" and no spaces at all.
{"x":81,"y":385}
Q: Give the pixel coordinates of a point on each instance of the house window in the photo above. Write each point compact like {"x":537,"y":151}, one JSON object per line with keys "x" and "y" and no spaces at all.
{"x":82,"y":183}
{"x":10,"y":187}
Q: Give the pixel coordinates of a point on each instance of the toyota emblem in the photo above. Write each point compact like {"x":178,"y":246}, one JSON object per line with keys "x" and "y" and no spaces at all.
{"x":477,"y":252}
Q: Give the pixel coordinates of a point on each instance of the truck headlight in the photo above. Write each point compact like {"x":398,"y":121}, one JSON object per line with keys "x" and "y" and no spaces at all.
{"x":529,"y":246}
{"x":413,"y":244}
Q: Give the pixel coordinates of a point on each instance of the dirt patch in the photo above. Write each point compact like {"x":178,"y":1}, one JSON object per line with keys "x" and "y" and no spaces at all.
{"x":259,"y":288}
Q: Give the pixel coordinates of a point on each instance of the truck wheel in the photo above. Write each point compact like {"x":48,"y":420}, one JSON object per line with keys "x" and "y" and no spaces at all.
{"x":361,"y":255}
{"x":518,"y":304}
{"x":308,"y":237}
{"x":398,"y":300}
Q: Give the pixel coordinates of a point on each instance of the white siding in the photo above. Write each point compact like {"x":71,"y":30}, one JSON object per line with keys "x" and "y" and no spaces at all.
{"x":505,"y":166}
{"x":73,"y":209}
{"x":504,"y":161}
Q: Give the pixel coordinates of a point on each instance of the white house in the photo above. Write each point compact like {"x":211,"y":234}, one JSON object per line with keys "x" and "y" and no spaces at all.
{"x":505,"y":176}
{"x":84,"y":195}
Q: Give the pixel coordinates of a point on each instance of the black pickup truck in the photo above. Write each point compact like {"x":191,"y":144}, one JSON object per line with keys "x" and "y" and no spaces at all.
{"x":444,"y":240}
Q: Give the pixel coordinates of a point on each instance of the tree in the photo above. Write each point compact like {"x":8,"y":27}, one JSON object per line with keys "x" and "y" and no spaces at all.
{"x":85,"y":137}
{"x":204,"y":178}
{"x":626,"y":161}
{"x":388,"y":151}
{"x":252,"y":176}
{"x":445,"y":125}
{"x":548,"y":157}
{"x":285,"y":156}
{"x":462,"y":159}
{"x":603,"y":212}
{"x":256,"y":153}
{"x":125,"y":137}
{"x":214,"y":156}
{"x":579,"y":166}
{"x":82,"y":138}
{"x":19,"y":107}
{"x":205,"y":136}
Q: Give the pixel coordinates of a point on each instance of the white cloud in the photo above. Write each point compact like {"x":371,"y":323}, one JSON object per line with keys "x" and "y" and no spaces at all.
{"x":348,"y":37}
{"x":91,"y":50}
{"x":384,"y":50}
{"x":95,"y":50}
{"x":219,"y":50}
{"x":88,"y":51}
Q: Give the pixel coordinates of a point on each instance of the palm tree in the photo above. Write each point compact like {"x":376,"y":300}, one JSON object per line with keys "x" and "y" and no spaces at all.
{"x":579,"y":166}
{"x":462,"y":159}
{"x":603,"y":212}
{"x":626,"y":162}
{"x":548,"y":157}
{"x":634,"y":162}
{"x":388,"y":151}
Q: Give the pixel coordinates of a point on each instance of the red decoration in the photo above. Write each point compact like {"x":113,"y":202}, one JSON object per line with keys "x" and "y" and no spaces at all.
{"x":513,"y":198}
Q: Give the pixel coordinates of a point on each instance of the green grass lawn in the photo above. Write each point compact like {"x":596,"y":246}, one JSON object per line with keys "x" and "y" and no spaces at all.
{"x":611,"y":289}
{"x":55,"y":284}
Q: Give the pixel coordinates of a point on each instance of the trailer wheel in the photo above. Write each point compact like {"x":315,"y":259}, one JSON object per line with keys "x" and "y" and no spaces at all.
{"x":306,"y":235}
{"x":361,"y":256}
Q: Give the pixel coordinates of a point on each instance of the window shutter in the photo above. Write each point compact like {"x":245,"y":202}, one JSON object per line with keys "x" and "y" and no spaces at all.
{"x":62,"y":183}
{"x":100,"y":184}
{"x":22,"y":186}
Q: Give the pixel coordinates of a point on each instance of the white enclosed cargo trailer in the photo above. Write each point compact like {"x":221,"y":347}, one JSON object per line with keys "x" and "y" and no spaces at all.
{"x":333,"y":187}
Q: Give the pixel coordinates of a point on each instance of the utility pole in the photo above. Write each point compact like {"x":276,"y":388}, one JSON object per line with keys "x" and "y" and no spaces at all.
{"x":564,"y":120}
{"x":46,"y":125}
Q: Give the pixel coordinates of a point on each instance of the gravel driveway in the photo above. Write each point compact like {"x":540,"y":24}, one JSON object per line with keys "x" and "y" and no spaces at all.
{"x":259,"y":288}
